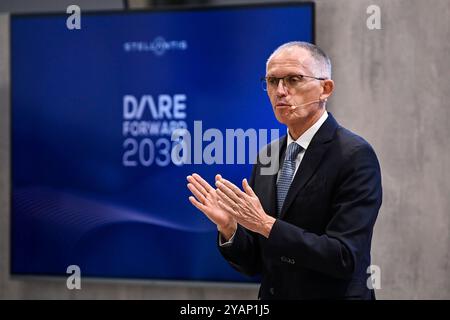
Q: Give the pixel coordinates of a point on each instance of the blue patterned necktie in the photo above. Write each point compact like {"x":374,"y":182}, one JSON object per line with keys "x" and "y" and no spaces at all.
{"x":286,"y":173}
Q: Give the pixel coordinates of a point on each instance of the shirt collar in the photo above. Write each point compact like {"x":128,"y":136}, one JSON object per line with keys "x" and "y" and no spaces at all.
{"x":305,"y":139}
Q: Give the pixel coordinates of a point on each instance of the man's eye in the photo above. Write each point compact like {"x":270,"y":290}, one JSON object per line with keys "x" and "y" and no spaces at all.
{"x":294,"y":79}
{"x":272,"y":80}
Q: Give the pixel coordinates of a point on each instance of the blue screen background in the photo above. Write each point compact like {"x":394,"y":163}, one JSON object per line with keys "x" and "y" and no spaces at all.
{"x":73,"y":200}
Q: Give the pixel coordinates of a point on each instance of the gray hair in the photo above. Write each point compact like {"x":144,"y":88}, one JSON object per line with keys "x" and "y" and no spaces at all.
{"x":322,"y":63}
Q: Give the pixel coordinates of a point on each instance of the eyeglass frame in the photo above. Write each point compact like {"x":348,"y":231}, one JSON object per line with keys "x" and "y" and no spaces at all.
{"x":264,"y":79}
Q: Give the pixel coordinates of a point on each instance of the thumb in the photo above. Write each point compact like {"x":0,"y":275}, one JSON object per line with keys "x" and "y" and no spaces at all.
{"x":248,"y":190}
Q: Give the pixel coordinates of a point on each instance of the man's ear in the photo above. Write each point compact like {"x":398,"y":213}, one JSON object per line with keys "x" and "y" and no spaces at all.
{"x":328,"y":87}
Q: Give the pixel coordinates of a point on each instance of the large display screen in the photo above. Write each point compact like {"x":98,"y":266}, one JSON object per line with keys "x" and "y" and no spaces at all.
{"x":94,"y":183}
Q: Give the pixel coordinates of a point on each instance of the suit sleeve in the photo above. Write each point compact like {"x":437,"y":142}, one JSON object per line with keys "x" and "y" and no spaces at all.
{"x":243,"y":253}
{"x":347,"y":238}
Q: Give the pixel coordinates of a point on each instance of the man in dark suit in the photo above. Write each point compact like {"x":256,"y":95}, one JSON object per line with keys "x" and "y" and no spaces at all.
{"x":307,"y":226}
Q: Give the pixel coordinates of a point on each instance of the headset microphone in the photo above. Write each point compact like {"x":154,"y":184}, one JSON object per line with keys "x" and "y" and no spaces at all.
{"x":293,"y":107}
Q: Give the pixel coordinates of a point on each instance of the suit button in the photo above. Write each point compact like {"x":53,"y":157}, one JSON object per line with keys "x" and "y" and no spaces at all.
{"x":272,"y":291}
{"x":287,"y":260}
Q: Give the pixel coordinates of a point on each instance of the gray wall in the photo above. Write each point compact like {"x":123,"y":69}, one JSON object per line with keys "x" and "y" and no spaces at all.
{"x":391,"y":88}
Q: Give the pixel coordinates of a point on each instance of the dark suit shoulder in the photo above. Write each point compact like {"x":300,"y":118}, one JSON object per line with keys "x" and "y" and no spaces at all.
{"x":351,"y":143}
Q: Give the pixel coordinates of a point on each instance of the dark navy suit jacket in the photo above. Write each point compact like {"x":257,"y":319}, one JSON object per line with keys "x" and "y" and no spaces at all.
{"x":319,"y":246}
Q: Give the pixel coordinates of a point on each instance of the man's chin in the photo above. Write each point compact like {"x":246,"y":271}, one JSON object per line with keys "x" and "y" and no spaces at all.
{"x":288,"y":117}
{"x":282,"y":117}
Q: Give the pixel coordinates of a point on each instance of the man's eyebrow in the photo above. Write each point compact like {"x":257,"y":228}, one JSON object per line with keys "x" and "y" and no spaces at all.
{"x":286,"y":75}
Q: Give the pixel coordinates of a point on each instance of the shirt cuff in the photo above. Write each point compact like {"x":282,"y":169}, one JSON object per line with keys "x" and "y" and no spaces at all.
{"x":229,"y":242}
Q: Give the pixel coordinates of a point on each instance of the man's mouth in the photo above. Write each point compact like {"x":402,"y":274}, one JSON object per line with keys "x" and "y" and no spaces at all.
{"x":282,"y":105}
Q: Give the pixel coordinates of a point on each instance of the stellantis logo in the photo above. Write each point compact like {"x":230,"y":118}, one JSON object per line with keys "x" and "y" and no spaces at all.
{"x":158,"y":46}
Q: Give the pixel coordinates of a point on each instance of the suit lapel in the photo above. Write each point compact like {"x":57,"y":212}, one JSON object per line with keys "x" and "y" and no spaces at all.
{"x":273,"y":183}
{"x":269,"y":181}
{"x":310,"y":162}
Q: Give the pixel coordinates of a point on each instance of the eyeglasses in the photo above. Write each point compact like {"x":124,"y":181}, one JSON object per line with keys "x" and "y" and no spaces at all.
{"x":290,"y":81}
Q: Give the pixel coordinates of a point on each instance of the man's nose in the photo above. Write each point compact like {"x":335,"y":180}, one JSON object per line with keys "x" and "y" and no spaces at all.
{"x":281,"y":89}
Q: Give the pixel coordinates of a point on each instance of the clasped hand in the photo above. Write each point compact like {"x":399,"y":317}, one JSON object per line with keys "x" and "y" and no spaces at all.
{"x":227,"y":205}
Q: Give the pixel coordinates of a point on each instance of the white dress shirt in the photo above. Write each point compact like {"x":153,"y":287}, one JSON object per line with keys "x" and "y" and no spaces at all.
{"x":304,"y":140}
